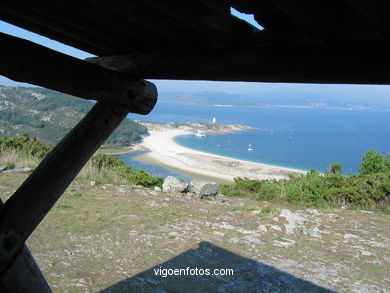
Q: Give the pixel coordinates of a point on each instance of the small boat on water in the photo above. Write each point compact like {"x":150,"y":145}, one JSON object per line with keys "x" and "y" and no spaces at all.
{"x":200,"y":134}
{"x":250,"y":147}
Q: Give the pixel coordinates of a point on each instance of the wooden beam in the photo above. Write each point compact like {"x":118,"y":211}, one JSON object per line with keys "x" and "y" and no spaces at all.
{"x":351,"y":63}
{"x":26,"y":61}
{"x":22,"y":274}
{"x":25,"y":209}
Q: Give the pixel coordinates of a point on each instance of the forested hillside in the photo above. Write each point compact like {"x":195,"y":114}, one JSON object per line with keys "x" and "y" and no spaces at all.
{"x":49,"y":115}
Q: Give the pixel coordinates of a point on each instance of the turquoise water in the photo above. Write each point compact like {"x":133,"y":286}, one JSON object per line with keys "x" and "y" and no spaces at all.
{"x":290,"y":137}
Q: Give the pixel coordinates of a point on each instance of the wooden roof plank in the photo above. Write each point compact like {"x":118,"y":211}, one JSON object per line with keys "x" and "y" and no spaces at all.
{"x":376,"y":12}
{"x":129,"y":33}
{"x":152,"y":22}
{"x":69,"y":23}
{"x":197,"y":17}
{"x":55,"y":26}
{"x":356,"y":63}
{"x":327,"y":20}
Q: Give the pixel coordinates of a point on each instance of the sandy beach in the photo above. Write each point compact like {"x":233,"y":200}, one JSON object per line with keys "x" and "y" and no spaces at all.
{"x":164,"y":151}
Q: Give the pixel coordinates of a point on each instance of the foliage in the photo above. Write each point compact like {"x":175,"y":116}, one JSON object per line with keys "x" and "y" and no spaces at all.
{"x":26,"y":145}
{"x":373,"y":162}
{"x":104,"y":163}
{"x":370,"y":188}
{"x":335,"y":168}
{"x":314,"y":189}
{"x":9,"y":166}
{"x":387,"y":162}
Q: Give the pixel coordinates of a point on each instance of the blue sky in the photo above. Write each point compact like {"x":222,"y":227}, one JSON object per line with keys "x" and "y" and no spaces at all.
{"x":199,"y":86}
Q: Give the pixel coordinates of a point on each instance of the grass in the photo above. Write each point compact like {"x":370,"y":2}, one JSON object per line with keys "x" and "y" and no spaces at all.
{"x":113,"y":150}
{"x":12,"y":158}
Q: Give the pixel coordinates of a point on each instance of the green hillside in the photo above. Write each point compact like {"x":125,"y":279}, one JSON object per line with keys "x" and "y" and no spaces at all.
{"x":49,"y":115}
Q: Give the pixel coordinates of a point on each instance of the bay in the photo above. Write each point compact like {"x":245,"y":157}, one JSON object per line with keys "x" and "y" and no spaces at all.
{"x":300,"y":138}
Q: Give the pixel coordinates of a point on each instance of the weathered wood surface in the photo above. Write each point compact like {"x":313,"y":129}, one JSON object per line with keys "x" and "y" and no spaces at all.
{"x":36,"y":196}
{"x":22,"y":275}
{"x":26,"y":61}
{"x":357,"y":63}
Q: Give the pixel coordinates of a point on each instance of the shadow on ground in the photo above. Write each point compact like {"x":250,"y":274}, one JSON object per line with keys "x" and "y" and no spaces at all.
{"x":249,"y":276}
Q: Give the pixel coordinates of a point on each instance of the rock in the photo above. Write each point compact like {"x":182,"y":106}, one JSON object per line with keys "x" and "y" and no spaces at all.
{"x":156,"y":188}
{"x":2,"y":167}
{"x":351,"y":236}
{"x":175,"y":234}
{"x":172,"y":184}
{"x":276,"y":228}
{"x":313,"y":212}
{"x":263,"y":228}
{"x":253,"y":238}
{"x":284,"y":243}
{"x":235,"y":240}
{"x":314,"y":232}
{"x":19,"y":170}
{"x":294,"y":220}
{"x":93,"y":183}
{"x":203,"y":188}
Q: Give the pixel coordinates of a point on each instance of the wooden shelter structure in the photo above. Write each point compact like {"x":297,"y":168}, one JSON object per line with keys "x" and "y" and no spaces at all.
{"x":304,"y":41}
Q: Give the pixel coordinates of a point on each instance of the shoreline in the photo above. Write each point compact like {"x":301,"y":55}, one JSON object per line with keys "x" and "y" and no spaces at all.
{"x":164,"y":151}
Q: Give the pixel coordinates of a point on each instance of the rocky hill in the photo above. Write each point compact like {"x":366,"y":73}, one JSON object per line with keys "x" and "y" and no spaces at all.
{"x":49,"y":115}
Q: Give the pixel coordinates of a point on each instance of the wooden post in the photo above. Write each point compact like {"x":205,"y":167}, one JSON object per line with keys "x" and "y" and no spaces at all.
{"x":22,"y":274}
{"x":20,"y":215}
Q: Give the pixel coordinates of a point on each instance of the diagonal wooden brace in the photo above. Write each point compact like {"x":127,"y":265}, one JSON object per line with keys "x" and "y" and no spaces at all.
{"x":22,"y":274}
{"x":26,"y":208}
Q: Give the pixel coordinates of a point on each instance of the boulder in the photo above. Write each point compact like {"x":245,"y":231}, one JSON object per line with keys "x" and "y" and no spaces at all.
{"x":172,"y":184}
{"x":2,"y":167}
{"x":204,"y":188}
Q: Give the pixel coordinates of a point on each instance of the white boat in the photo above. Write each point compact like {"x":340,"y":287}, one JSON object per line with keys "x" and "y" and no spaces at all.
{"x":200,"y":134}
{"x":250,"y":147}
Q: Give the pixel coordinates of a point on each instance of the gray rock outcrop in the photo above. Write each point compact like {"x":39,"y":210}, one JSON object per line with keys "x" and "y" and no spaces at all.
{"x":172,"y":184}
{"x":203,"y":188}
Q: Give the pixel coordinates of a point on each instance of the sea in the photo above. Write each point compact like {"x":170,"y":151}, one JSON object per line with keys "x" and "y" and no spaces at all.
{"x":299,"y":138}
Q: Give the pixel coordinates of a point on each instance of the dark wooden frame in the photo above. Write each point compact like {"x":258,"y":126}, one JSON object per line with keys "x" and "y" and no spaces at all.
{"x":117,"y":94}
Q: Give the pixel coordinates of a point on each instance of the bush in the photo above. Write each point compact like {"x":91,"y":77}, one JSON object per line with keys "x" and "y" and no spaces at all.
{"x":373,"y":162}
{"x":10,"y":166}
{"x":316,"y":190}
{"x":104,"y":163}
{"x":26,"y":145}
{"x":335,"y":168}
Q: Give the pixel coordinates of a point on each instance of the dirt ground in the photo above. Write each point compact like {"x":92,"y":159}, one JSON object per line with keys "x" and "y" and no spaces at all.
{"x":106,"y":238}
